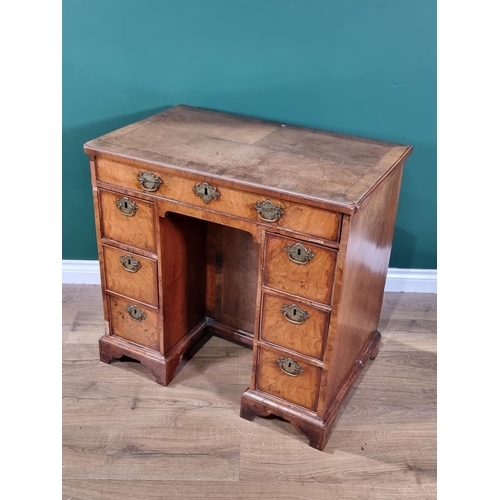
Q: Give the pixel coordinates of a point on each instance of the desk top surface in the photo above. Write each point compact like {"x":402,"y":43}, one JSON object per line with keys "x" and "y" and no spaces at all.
{"x":306,"y":163}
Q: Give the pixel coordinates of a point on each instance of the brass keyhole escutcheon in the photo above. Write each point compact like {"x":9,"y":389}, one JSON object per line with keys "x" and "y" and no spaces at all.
{"x":268,"y":211}
{"x":299,"y":254}
{"x":289,"y":366}
{"x":136,"y":313}
{"x":149,"y":181}
{"x":126,"y":207}
{"x":129,"y":263}
{"x":294,"y":314}
{"x":206,"y":192}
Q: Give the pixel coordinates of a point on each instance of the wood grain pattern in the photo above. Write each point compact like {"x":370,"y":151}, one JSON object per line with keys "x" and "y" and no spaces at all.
{"x":369,"y":242}
{"x":237,"y":335}
{"x":137,"y":231}
{"x":300,"y":218}
{"x":99,"y":235}
{"x":238,"y":290}
{"x":269,"y":490}
{"x":185,"y":120}
{"x":255,"y":230}
{"x":243,"y":150}
{"x":141,"y":285}
{"x":212,"y":245}
{"x":301,"y":390}
{"x":329,"y":186}
{"x":145,"y":332}
{"x":162,"y":367}
{"x":316,"y":428}
{"x":307,"y":338}
{"x":325,"y":146}
{"x":183,"y":277}
{"x":312,"y":280}
{"x":125,"y":437}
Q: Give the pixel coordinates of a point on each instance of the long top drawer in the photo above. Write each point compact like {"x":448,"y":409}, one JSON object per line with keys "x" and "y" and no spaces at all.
{"x":271,"y":212}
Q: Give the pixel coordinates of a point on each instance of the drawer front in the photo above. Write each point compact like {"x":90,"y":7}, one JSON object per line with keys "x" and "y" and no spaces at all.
{"x":135,"y":228}
{"x":312,"y":279}
{"x":142,"y":330}
{"x":308,"y":220}
{"x":301,"y":389}
{"x":130,"y":274}
{"x":294,"y":325}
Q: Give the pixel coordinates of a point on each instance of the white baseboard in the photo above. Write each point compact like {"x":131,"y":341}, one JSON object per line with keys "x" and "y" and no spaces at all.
{"x":411,"y":280}
{"x":86,"y":272}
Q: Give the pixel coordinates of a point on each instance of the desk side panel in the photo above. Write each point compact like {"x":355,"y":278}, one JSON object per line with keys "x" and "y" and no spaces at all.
{"x":97,"y":217}
{"x":369,"y":241}
{"x":183,"y":276}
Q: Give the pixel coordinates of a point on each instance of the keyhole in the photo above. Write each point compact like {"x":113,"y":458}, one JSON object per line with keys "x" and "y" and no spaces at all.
{"x":125,"y":205}
{"x":295,"y":312}
{"x":289,"y":364}
{"x":298,"y":251}
{"x":206,"y":191}
{"x":129,"y":262}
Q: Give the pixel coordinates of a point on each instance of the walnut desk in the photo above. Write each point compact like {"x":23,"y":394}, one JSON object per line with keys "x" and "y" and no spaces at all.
{"x":272,"y":235}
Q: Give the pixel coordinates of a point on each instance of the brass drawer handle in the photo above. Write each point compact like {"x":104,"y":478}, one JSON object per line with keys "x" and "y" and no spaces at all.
{"x":268,"y":211}
{"x":206,"y":192}
{"x":289,"y":366}
{"x":127,"y":207}
{"x":294,"y":314}
{"x":298,"y":253}
{"x":130,"y":264}
{"x":149,"y":181}
{"x":136,"y":314}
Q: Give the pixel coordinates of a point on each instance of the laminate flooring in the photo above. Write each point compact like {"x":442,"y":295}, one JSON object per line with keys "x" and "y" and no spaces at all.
{"x":125,"y":437}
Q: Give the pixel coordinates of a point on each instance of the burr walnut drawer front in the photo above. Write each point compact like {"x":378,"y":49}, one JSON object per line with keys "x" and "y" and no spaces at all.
{"x":134,"y":322}
{"x":283,"y":376}
{"x":294,"y":325}
{"x":299,"y":268}
{"x":131,"y":275}
{"x":127,"y":220}
{"x":271,"y":212}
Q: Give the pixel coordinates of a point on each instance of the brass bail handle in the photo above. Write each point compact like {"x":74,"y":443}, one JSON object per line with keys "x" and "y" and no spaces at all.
{"x":268,"y":211}
{"x":149,"y":181}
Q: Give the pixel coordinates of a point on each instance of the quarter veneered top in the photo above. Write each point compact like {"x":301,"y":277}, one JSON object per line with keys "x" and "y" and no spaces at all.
{"x":310,"y":164}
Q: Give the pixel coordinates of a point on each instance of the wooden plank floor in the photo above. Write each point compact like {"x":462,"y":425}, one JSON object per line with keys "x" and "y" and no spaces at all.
{"x":127,"y":438}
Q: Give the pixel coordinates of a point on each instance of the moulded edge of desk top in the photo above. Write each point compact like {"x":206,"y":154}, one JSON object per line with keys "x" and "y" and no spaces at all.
{"x":348,"y":202}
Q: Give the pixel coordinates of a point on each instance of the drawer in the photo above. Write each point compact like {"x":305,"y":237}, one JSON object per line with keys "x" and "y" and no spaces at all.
{"x":312,"y":278}
{"x":296,"y":217}
{"x":301,"y":389}
{"x":130,"y":274}
{"x":136,"y":228}
{"x":144,"y":330}
{"x":294,"y":325}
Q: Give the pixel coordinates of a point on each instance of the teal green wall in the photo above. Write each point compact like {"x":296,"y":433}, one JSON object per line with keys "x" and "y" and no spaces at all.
{"x":363,"y":67}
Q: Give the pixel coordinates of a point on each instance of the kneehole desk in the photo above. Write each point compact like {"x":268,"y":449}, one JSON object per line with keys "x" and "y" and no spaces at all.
{"x":271,"y":235}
